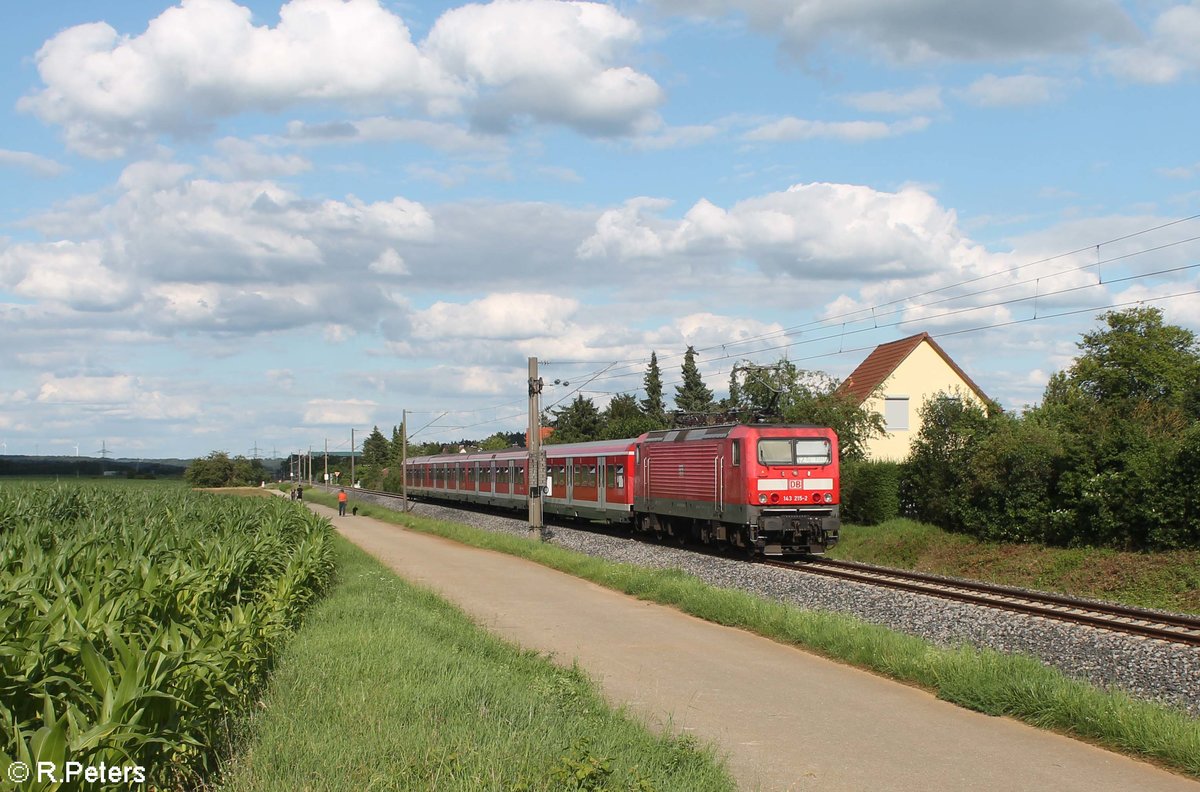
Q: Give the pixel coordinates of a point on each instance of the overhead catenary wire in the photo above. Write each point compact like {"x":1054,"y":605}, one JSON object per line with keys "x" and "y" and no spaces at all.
{"x":871,"y":314}
{"x":868,"y":312}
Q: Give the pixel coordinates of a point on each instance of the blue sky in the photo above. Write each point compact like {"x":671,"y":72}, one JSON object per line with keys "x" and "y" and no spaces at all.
{"x":236,"y":226}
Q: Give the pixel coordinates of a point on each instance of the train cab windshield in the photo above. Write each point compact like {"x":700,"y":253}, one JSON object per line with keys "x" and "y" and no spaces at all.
{"x":795,"y":451}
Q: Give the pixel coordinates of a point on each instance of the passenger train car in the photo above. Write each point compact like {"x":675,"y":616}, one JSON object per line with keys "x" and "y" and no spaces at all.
{"x":772,"y":490}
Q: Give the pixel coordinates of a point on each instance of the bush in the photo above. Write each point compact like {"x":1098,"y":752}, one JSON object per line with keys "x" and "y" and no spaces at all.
{"x":1181,"y":496}
{"x":870,"y":492}
{"x":932,"y":485}
{"x":1012,"y":482}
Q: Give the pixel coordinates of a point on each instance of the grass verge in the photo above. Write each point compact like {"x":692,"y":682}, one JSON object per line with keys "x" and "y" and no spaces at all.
{"x":983,"y":680}
{"x":388,"y":686}
{"x":1168,"y":581}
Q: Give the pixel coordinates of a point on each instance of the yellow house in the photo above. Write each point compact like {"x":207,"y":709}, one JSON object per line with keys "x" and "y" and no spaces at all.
{"x":896,"y":380}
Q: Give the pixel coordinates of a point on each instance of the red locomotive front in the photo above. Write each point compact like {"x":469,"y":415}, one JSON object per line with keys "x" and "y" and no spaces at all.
{"x":770,"y":489}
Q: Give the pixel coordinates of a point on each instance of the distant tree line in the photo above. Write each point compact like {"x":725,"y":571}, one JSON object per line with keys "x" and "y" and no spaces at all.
{"x":18,"y":465}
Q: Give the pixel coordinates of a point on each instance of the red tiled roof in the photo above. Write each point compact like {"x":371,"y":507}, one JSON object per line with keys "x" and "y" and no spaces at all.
{"x":880,"y":364}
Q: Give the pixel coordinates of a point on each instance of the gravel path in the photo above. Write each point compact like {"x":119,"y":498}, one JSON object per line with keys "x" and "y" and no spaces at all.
{"x":1156,"y":670}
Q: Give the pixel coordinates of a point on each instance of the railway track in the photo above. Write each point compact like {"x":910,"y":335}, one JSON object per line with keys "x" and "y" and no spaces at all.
{"x":1117,"y":618}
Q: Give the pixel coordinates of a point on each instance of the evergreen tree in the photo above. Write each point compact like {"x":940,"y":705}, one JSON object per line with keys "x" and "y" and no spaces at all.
{"x":693,"y":396}
{"x":653,"y":406}
{"x":375,"y":449}
{"x":396,"y":447}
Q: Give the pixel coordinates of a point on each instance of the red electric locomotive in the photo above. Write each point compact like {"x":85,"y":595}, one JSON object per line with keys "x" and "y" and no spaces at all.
{"x":772,"y":490}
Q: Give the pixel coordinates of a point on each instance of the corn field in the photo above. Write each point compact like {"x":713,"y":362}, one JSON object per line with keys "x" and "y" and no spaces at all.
{"x":135,"y":623}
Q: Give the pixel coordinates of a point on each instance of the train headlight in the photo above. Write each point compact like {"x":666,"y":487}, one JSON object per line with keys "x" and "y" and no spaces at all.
{"x":762,"y":498}
{"x":829,"y":497}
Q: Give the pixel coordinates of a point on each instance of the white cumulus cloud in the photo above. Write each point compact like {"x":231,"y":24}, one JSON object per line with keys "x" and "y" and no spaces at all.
{"x":204,"y":60}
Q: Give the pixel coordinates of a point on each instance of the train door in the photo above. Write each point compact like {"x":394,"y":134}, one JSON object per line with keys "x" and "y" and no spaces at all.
{"x":584,"y":481}
{"x":601,"y":480}
{"x":569,"y":478}
{"x":504,"y":477}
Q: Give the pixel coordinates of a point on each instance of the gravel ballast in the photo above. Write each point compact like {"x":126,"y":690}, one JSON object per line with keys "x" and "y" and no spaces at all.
{"x":1147,"y":669}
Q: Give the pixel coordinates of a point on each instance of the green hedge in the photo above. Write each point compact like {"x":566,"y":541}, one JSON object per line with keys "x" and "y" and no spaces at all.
{"x":870,"y":492}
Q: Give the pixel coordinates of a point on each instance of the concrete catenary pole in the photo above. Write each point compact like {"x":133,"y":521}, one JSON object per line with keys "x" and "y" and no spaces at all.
{"x":352,"y":457}
{"x":537,"y":476}
{"x":326,"y":475}
{"x":404,"y":460}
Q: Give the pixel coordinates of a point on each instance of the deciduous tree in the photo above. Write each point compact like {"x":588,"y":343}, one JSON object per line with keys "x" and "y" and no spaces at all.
{"x":577,"y":422}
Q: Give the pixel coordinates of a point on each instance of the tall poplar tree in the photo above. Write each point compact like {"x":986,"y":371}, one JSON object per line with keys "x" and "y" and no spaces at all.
{"x":693,"y":396}
{"x":653,"y":405}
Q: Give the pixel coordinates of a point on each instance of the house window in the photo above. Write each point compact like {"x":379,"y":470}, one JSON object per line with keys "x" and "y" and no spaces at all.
{"x":895,"y":413}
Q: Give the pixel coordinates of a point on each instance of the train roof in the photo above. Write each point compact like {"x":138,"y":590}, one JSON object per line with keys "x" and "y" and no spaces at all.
{"x":606,"y":447}
{"x":719,"y":432}
{"x":590,"y":448}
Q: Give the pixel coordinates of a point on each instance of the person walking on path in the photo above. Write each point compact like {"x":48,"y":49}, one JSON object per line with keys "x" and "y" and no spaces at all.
{"x":341,"y":503}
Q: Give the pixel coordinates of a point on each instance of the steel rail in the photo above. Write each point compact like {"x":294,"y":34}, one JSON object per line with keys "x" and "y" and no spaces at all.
{"x":1116,"y":618}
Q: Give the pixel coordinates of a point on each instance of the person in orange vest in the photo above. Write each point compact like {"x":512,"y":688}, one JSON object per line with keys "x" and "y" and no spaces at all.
{"x":341,"y":503}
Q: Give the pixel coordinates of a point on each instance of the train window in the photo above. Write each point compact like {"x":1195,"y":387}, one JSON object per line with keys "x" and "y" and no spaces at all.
{"x":776,"y":451}
{"x":591,"y":476}
{"x":737,"y":453}
{"x":620,"y":477}
{"x":801,"y":451}
{"x":813,"y":451}
{"x":519,"y":476}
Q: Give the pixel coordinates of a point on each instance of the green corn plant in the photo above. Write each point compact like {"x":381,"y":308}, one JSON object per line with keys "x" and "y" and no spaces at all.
{"x":138,"y":620}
